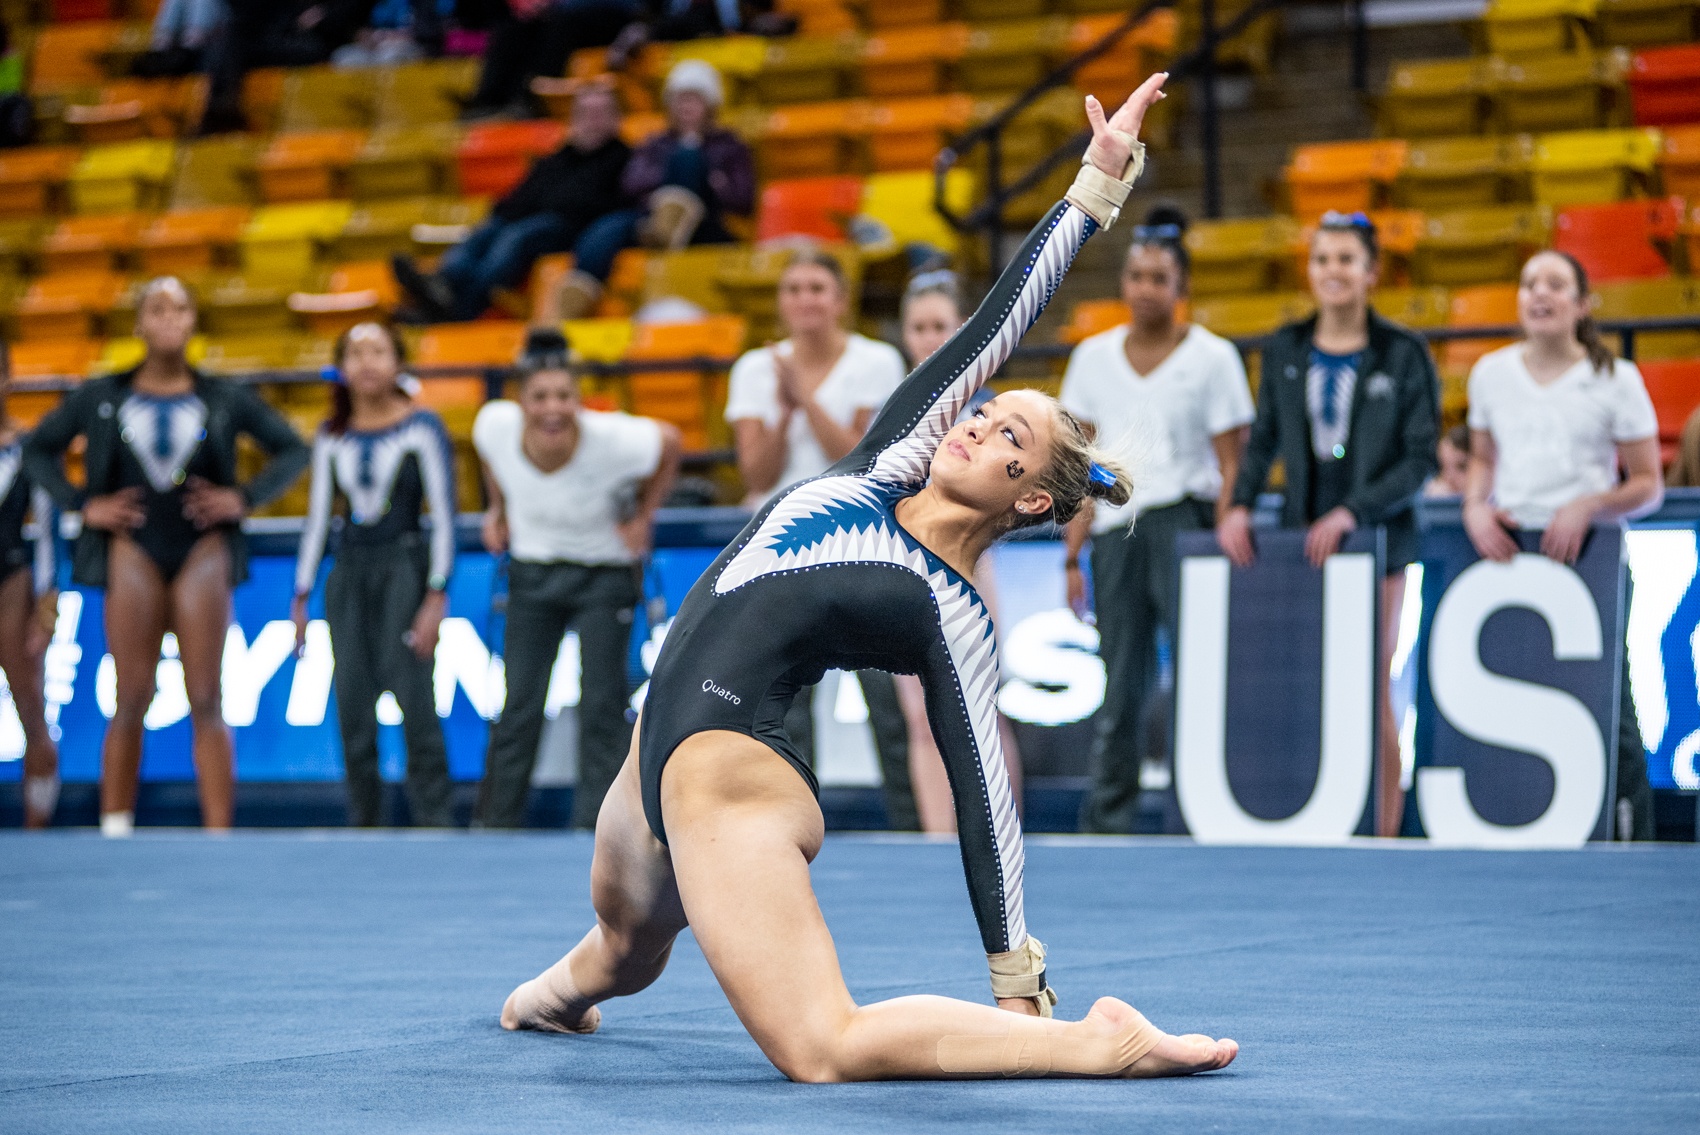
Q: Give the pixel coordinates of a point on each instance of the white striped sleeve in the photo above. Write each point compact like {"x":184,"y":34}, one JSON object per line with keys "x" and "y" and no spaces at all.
{"x":437,"y":467}
{"x":317,"y":527}
{"x":46,"y":539}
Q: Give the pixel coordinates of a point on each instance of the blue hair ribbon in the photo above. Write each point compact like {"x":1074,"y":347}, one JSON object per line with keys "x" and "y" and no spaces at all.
{"x":1096,"y":472}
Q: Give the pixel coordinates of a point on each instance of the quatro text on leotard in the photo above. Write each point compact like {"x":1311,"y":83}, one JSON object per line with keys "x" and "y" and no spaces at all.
{"x":708,"y":687}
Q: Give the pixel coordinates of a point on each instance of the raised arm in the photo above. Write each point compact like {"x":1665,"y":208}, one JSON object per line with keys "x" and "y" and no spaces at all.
{"x":899,"y":445}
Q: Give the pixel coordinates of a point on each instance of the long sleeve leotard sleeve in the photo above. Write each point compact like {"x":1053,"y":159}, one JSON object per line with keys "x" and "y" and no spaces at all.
{"x":961,"y":679}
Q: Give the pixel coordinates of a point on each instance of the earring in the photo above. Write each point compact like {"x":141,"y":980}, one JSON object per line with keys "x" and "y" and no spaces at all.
{"x":1020,"y":508}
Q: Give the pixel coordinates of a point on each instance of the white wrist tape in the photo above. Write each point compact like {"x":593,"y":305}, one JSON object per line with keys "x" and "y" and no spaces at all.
{"x":1098,"y":194}
{"x":1021,"y":973}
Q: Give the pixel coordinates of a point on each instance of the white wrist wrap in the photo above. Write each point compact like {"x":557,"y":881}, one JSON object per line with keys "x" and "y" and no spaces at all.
{"x":1098,"y":194}
{"x":1021,"y":973}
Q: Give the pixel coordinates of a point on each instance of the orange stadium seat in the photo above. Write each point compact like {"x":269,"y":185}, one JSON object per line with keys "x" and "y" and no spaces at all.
{"x":813,"y":139}
{"x":47,"y":358}
{"x":1617,"y":241}
{"x":1484,"y":305}
{"x":1434,"y":97}
{"x":907,"y":134}
{"x":1664,"y":85}
{"x":92,"y":244}
{"x":911,"y":61}
{"x":32,"y":179}
{"x":902,"y":13}
{"x":820,"y":207}
{"x":1342,"y":175}
{"x":1679,"y":161}
{"x":689,"y":399}
{"x":308,"y":166}
{"x":191,"y":240}
{"x":492,"y":158}
{"x":1674,"y":387}
{"x":351,"y":293}
{"x":483,"y":343}
{"x":1113,"y":75}
{"x":71,"y":55}
{"x":1092,"y":317}
{"x":70,"y":305}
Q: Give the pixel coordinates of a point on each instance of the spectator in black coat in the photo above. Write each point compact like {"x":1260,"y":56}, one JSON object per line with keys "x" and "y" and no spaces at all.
{"x":547,"y":212}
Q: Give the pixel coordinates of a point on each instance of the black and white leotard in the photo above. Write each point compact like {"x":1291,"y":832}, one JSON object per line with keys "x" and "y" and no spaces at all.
{"x":19,"y":498}
{"x":162,"y":449}
{"x":824,"y":577}
{"x":389,"y":477}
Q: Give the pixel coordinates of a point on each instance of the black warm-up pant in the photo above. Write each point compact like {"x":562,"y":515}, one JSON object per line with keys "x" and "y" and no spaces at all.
{"x":544,"y":599}
{"x":371,"y":598}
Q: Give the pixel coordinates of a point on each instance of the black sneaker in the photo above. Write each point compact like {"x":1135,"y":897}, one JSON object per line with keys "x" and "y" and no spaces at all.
{"x":428,"y":293}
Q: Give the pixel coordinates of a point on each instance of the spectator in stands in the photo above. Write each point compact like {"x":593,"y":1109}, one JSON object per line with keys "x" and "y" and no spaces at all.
{"x":272,"y":33}
{"x":391,"y":462}
{"x":1186,"y":389}
{"x":29,"y":605}
{"x":182,"y":30}
{"x":1684,"y":471}
{"x":683,"y":182}
{"x":796,"y":408}
{"x":1554,"y":421}
{"x":573,"y":495}
{"x":162,"y":532}
{"x":551,"y":210}
{"x":1454,"y":459}
{"x":532,"y":38}
{"x":1351,"y":405}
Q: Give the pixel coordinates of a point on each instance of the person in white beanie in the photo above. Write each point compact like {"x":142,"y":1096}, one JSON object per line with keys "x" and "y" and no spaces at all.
{"x":683,"y":183}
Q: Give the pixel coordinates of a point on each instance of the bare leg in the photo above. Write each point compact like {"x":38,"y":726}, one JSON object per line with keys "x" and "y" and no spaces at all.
{"x":22,"y":667}
{"x":743,"y":829}
{"x":200,"y":616}
{"x":1390,"y":797}
{"x":135,"y":625}
{"x":637,"y":918}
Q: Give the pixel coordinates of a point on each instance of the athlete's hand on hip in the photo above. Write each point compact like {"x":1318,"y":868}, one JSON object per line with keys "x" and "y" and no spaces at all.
{"x":298,"y":616}
{"x":115,"y":512}
{"x":421,"y":637}
{"x":1109,"y":149}
{"x":637,"y":534}
{"x":1324,"y":537}
{"x":208,"y":505}
{"x":1234,"y":535}
{"x":494,"y":532}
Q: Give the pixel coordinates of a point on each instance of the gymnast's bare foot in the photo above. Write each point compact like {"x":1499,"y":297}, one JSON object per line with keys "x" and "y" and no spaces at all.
{"x":1171,"y":1055}
{"x":544,"y":1005}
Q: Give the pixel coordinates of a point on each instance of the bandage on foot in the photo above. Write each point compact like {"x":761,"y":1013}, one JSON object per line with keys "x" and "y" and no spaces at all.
{"x":1114,"y":1040}
{"x":551,"y":1003}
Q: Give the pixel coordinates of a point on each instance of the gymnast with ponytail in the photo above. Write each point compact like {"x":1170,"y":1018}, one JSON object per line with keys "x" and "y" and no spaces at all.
{"x":713,"y":821}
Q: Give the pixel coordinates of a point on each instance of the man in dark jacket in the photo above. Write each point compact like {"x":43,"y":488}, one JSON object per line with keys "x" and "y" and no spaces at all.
{"x":547,"y":212}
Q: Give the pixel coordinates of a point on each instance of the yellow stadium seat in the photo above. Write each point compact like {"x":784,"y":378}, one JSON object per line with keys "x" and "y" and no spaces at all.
{"x":1414,"y":307}
{"x":1478,"y":246}
{"x":1345,"y":176}
{"x":311,"y":165}
{"x":1238,"y":255}
{"x":281,"y":242}
{"x":33,"y":178}
{"x":738,"y":58}
{"x":749,"y":281}
{"x":215,"y":171}
{"x":1572,"y":91}
{"x":813,"y":139}
{"x":1244,"y":317}
{"x":598,"y":340}
{"x":1592,"y":166}
{"x":1536,"y":27}
{"x":20,"y":246}
{"x":70,"y":305}
{"x":191,"y":240}
{"x":240,"y":305}
{"x":122,"y":177}
{"x":376,"y":229}
{"x":92,"y":244}
{"x":1645,"y":23}
{"x":1434,"y":97}
{"x":911,"y":61}
{"x":408,"y":161}
{"x":1010,"y":56}
{"x":903,"y":204}
{"x":1672,"y":296}
{"x":255,"y":350}
{"x":327,"y":98}
{"x":690,"y":274}
{"x":1457,"y":173}
{"x":807,"y":69}
{"x":418,"y":94}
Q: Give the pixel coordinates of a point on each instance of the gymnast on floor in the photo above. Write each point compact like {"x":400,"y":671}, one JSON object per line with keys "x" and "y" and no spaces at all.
{"x":713,"y":820}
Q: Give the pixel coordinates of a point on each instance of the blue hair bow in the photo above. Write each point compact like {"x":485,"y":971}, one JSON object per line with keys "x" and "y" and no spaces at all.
{"x":1096,"y":472}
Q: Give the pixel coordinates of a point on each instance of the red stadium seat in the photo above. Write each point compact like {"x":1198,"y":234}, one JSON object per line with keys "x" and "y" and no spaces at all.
{"x":1616,"y":241}
{"x":809,"y":206}
{"x":1664,"y":85}
{"x":494,"y":157}
{"x":1675,"y":389}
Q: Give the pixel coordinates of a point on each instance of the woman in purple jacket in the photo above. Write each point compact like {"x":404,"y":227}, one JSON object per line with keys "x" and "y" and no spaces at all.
{"x":682,"y":182}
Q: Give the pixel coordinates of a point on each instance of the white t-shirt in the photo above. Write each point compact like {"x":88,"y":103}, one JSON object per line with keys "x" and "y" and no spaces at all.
{"x":1196,"y":393}
{"x":1559,"y":441}
{"x":865,"y":375}
{"x":571,"y":514}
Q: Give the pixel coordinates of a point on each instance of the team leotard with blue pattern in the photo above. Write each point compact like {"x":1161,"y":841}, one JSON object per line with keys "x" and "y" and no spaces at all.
{"x":824,"y":577}
{"x":18,"y":499}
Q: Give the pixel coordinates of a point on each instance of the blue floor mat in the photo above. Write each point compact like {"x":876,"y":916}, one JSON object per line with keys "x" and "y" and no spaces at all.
{"x":350,"y":983}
